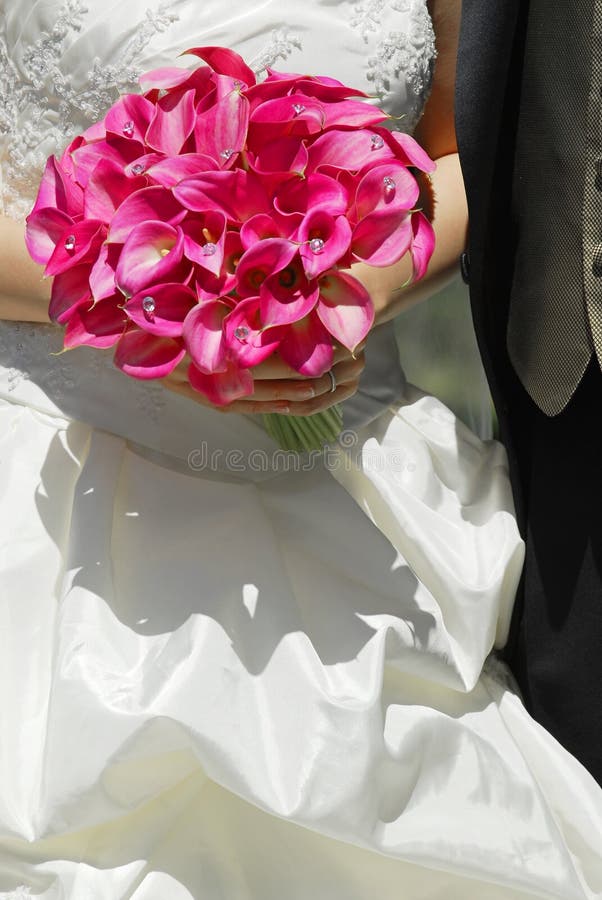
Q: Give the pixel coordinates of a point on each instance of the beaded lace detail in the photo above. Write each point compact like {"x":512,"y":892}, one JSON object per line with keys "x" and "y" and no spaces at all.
{"x":400,"y":55}
{"x":282,"y":43}
{"x":41,"y":109}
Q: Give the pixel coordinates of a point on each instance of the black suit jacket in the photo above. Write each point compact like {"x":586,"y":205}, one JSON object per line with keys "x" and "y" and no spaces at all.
{"x":487,"y":81}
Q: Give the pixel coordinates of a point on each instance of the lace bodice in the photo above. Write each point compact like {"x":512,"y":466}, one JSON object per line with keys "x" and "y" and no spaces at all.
{"x":63,"y":62}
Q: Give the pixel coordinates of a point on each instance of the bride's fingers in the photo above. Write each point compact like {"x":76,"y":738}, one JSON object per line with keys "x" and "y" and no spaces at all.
{"x":281,"y":395}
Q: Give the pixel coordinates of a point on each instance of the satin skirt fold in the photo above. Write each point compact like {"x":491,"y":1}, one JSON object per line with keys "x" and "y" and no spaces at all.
{"x":213,"y":686}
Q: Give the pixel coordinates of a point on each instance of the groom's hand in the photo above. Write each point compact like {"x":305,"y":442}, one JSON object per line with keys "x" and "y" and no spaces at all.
{"x":280,"y":389}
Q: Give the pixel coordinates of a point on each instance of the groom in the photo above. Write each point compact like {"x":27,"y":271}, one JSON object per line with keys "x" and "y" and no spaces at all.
{"x":529,"y":129}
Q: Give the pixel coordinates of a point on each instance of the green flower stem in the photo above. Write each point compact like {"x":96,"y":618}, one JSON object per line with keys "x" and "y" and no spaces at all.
{"x":304,"y":433}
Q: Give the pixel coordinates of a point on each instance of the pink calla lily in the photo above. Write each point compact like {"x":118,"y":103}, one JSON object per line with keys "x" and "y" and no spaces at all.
{"x":307,"y":346}
{"x":161,"y":309}
{"x":172,"y":123}
{"x":102,"y":273}
{"x":59,"y":191}
{"x":382,"y":237}
{"x":221,"y":388}
{"x":225,"y":62}
{"x":222,"y":131}
{"x":236,"y":193}
{"x":345,"y":308}
{"x":389,"y":186}
{"x":324,"y":239}
{"x":130,"y":117}
{"x":348,"y":150}
{"x":149,"y":204}
{"x":314,"y":192}
{"x":119,"y":150}
{"x":204,"y":337}
{"x":80,"y":242}
{"x":287,"y":295}
{"x":282,"y":158}
{"x":260,"y":261}
{"x":204,"y":239}
{"x":246,"y":340}
{"x":408,"y":150}
{"x":70,"y":290}
{"x":44,"y":229}
{"x":170,"y":171}
{"x":263,"y":226}
{"x":147,"y":356}
{"x":151,"y":253}
{"x":98,"y":326}
{"x":106,"y":190}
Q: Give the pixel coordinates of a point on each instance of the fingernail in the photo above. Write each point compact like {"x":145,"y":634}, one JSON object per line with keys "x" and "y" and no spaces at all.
{"x":308,"y":393}
{"x":283,"y":410}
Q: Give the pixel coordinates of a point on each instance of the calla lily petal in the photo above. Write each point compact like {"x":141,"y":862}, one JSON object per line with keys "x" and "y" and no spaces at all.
{"x":324,"y":241}
{"x":44,"y":229}
{"x":423,"y":244}
{"x":348,"y":150}
{"x":389,"y":186}
{"x":98,"y":326}
{"x":146,"y":356}
{"x":261,"y":260}
{"x":316,"y":191}
{"x":237,"y":193}
{"x":221,"y":132}
{"x":151,"y":253}
{"x":164,"y":78}
{"x":130,"y":116}
{"x":161,"y":309}
{"x":204,"y":239}
{"x":149,"y":204}
{"x":345,"y":308}
{"x":121,"y":151}
{"x":102,"y":273}
{"x":307,"y":347}
{"x":106,"y":190}
{"x":245,"y":339}
{"x":225,"y":62}
{"x":287,"y":296}
{"x":80,"y":242}
{"x":58,"y":191}
{"x":169,"y":172}
{"x":221,"y":388}
{"x":382,"y":237}
{"x":172,"y":123}
{"x":204,"y":336}
{"x":70,"y":289}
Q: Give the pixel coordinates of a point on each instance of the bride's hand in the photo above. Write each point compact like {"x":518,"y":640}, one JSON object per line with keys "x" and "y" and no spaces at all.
{"x":280,"y":389}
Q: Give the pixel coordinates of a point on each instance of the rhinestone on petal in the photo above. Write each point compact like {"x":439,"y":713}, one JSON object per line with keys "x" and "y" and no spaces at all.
{"x":128,"y":128}
{"x":70,"y":242}
{"x":148,"y":304}
{"x":209,"y":249}
{"x":228,"y":153}
{"x":298,"y":108}
{"x":389,"y":187}
{"x":137,"y":169}
{"x":241,"y":333}
{"x":316,"y":245}
{"x":377,"y":142}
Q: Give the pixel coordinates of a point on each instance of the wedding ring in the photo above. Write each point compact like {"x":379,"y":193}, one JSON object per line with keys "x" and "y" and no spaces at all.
{"x":333,"y":381}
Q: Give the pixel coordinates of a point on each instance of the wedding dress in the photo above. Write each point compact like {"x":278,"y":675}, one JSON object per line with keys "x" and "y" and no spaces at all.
{"x":221,"y":675}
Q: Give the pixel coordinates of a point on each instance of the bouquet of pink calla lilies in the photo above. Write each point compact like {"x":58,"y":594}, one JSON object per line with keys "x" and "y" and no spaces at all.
{"x":215,"y":217}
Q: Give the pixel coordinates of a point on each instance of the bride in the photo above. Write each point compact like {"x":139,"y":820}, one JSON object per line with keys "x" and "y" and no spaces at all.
{"x":242,"y":681}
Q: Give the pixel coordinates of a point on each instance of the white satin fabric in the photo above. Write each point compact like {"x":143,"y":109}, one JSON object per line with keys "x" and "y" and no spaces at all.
{"x":226,"y":677}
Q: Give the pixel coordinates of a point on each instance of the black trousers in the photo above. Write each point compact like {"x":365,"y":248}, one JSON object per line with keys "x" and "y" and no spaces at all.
{"x":557,"y":654}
